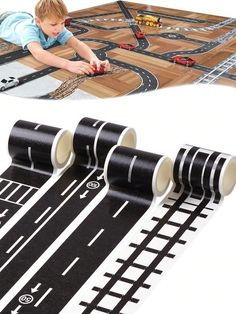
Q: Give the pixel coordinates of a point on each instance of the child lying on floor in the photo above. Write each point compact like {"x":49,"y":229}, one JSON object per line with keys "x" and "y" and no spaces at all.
{"x":43,"y":31}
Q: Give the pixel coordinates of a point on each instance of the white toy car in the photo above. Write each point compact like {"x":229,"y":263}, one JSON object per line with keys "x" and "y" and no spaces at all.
{"x":6,"y":83}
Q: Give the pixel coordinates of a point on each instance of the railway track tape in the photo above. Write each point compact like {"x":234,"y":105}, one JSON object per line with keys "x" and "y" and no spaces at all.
{"x":37,"y":151}
{"x":201,"y":180}
{"x":59,"y":208}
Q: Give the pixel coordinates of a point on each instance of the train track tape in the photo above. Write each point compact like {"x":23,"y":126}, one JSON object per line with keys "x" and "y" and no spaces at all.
{"x":134,"y":179}
{"x":201,"y":180}
{"x":59,"y":208}
{"x":37,"y":151}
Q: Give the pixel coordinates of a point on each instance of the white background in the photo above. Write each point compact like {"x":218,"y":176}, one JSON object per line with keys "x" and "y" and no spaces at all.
{"x":203,"y":278}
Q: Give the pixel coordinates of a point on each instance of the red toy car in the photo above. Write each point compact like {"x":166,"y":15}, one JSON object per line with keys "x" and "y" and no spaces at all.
{"x":101,"y":71}
{"x":127,"y":46}
{"x":183,"y":60}
{"x":139,"y":35}
{"x":68,"y":20}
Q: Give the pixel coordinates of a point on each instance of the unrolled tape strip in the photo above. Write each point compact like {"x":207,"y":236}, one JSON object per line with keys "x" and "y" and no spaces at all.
{"x":55,"y":215}
{"x":37,"y":151}
{"x":134,"y":179}
{"x":201,"y":179}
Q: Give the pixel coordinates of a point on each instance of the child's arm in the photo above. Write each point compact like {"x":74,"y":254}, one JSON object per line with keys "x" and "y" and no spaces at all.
{"x":85,"y":52}
{"x":46,"y":57}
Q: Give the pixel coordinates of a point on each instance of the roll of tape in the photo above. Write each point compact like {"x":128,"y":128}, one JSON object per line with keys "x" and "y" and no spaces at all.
{"x":39,"y":147}
{"x":36,"y":150}
{"x":94,"y":138}
{"x":202,"y":178}
{"x":204,"y":171}
{"x":137,"y":171}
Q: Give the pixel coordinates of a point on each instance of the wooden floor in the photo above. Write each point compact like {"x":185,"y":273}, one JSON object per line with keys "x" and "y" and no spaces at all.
{"x":167,"y":73}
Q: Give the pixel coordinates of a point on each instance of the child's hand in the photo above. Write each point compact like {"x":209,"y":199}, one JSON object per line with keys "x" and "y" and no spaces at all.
{"x":106,"y":65}
{"x":95,"y":62}
{"x":80,"y":67}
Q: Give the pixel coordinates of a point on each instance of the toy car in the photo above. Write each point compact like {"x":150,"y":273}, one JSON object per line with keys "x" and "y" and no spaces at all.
{"x":148,"y":20}
{"x":101,"y":71}
{"x":68,"y":20}
{"x":127,"y":46}
{"x":183,"y":60}
{"x":139,"y":35}
{"x":9,"y":82}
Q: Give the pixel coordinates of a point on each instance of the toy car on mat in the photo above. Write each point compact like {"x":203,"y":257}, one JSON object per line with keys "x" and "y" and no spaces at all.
{"x":187,"y":61}
{"x":127,"y":46}
{"x":149,"y":20}
{"x":139,"y":35}
{"x":97,"y":71}
{"x":68,"y":20}
{"x":9,"y":82}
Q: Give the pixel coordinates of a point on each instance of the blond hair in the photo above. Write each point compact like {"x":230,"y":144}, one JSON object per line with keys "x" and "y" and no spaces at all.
{"x":50,"y":8}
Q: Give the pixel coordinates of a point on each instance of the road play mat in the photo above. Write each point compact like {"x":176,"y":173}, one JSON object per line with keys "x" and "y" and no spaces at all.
{"x":148,"y":47}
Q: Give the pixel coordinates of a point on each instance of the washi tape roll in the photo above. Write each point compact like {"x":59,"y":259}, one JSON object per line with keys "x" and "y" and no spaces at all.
{"x":60,"y":207}
{"x":134,"y":179}
{"x":201,"y":179}
{"x":137,"y":171}
{"x":39,"y":147}
{"x":94,"y":138}
{"x":36,"y":150}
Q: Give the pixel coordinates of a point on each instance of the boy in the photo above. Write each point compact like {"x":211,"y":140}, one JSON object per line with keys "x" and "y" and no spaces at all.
{"x":36,"y":34}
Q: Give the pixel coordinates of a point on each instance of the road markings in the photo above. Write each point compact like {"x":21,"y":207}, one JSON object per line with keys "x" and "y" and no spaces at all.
{"x":36,"y":288}
{"x":131,"y":168}
{"x":16,"y":309}
{"x":14,"y":245}
{"x":24,"y":195}
{"x":37,"y":126}
{"x":96,"y":237}
{"x":13,"y":192}
{"x":120,"y":209}
{"x":30,"y":157}
{"x":46,"y":221}
{"x":3,"y":214}
{"x":70,"y":266}
{"x":4,"y":189}
{"x":89,"y":157}
{"x":96,"y":123}
{"x":43,"y":214}
{"x":43,"y":297}
{"x":68,"y":188}
{"x":84,"y":194}
{"x":100,"y":177}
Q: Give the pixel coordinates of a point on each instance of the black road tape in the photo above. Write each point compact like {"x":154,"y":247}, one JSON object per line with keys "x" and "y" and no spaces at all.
{"x":134,"y":179}
{"x":37,"y":151}
{"x":46,"y":220}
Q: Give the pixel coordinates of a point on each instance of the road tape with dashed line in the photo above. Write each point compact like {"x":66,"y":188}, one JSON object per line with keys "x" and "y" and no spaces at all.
{"x":61,"y":205}
{"x":37,"y":151}
{"x":201,"y":180}
{"x":134,"y":179}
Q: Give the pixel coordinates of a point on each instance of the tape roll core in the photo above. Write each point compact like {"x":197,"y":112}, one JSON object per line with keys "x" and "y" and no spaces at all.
{"x":61,"y":149}
{"x":161,"y":176}
{"x":228,"y":178}
{"x":128,"y":138}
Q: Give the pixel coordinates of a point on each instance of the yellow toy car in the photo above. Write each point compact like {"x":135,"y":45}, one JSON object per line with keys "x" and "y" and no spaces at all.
{"x":148,"y":20}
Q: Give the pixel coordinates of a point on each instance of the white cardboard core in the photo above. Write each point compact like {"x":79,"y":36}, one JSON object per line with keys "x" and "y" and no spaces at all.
{"x":61,"y":149}
{"x":161,"y":176}
{"x":228,"y":177}
{"x":128,"y":138}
